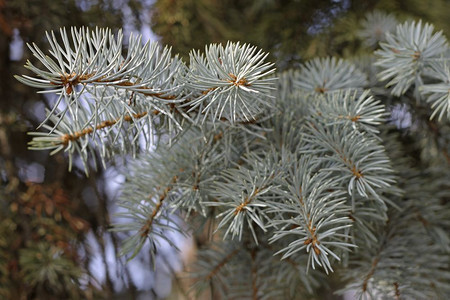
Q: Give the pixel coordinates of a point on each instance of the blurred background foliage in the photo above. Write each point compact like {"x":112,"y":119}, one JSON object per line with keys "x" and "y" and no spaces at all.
{"x":47,"y":213}
{"x":291,"y":30}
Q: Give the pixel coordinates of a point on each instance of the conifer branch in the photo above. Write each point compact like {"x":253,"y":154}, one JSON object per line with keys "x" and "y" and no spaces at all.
{"x":221,"y":264}
{"x":147,"y":227}
{"x":248,"y":200}
{"x":370,"y":273}
{"x":301,"y":164}
{"x":66,"y":138}
{"x":70,"y":81}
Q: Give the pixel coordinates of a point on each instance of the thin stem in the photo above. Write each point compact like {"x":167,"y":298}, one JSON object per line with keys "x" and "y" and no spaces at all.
{"x":222,"y":263}
{"x":66,"y":138}
{"x":145,"y":230}
{"x":68,"y":81}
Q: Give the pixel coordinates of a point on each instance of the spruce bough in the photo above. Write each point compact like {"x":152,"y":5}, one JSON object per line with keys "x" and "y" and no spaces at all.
{"x":298,"y":173}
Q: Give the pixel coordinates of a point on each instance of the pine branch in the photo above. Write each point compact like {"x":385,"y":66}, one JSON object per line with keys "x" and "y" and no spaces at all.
{"x":317,"y":230}
{"x":439,"y":93}
{"x":321,"y":76}
{"x":221,"y":264}
{"x":406,"y":52}
{"x":360,"y":160}
{"x":375,"y":26}
{"x":147,"y":227}
{"x":65,"y":139}
{"x":351,"y":108}
{"x":90,"y":74}
{"x":302,"y":164}
{"x":70,"y":82}
{"x":241,"y":192}
{"x":231,"y":82}
{"x":214,"y":268}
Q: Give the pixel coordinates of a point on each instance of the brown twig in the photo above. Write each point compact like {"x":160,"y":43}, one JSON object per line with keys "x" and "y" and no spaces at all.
{"x":397,"y":291}
{"x":65,"y":139}
{"x":313,"y":239}
{"x":247,"y":201}
{"x":240,"y":82}
{"x":370,"y":274}
{"x":222,"y":263}
{"x":68,"y":81}
{"x":147,"y":227}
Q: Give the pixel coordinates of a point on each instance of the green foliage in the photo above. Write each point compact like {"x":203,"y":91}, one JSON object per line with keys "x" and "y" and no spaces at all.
{"x":48,"y":266}
{"x":301,"y":173}
{"x":272,"y":25}
{"x":40,"y":236}
{"x":291,"y":31}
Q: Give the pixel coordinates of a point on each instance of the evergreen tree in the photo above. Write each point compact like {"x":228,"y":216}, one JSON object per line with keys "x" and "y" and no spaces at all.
{"x":291,"y":175}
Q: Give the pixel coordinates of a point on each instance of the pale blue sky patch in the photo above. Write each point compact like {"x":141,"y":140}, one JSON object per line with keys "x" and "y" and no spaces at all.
{"x":16,"y":46}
